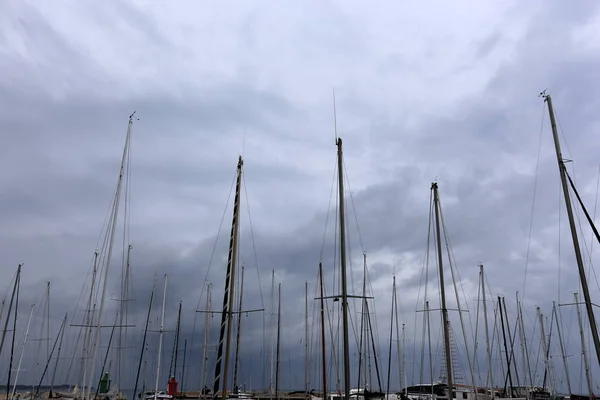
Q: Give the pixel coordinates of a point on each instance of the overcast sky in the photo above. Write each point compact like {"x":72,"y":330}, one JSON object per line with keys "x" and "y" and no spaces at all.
{"x":436,"y":90}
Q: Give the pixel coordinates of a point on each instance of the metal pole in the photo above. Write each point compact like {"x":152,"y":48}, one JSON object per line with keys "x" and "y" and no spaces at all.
{"x":572,"y":225}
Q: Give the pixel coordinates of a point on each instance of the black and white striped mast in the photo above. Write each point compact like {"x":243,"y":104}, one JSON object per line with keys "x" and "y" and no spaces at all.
{"x":226,"y":315}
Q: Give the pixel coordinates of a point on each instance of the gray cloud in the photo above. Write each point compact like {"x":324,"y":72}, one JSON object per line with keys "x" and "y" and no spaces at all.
{"x":420,"y":97}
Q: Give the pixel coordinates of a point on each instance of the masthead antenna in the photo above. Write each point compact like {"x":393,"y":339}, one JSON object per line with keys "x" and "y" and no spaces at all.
{"x":334,"y":118}
{"x":244,"y":142}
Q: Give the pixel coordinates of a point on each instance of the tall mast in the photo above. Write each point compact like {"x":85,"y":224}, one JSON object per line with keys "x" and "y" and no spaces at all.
{"x":272,"y":338}
{"x":183,"y":367}
{"x":345,"y":328}
{"x":88,"y":326}
{"x":562,"y":346}
{"x":14,"y":330}
{"x":122,"y":338}
{"x":403,"y":378}
{"x":48,"y":321}
{"x":278,"y":342}
{"x":176,"y":349}
{"x":363,"y":328}
{"x":586,"y":364}
{"x":507,"y":354}
{"x":206,"y":329}
{"x":572,"y":225}
{"x":544,"y":344}
{"x":524,"y":350}
{"x":22,"y":351}
{"x":226,"y":315}
{"x":137,"y":377}
{"x":10,"y":306}
{"x":306,"y":354}
{"x":323,"y":347}
{"x":487,"y":331}
{"x":389,"y":366}
{"x":445,"y":320}
{"x":113,"y":226}
{"x":44,"y":333}
{"x":62,"y":334}
{"x":510,"y":340}
{"x":160,"y":340}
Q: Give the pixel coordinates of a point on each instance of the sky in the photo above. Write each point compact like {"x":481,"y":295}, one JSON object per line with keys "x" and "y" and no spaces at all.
{"x":424,"y":91}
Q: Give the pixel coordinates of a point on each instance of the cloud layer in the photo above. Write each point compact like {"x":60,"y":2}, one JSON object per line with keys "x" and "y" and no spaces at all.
{"x":423,"y":92}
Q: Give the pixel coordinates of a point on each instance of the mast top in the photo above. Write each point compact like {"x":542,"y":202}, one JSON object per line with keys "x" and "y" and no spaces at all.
{"x":240,"y":162}
{"x":131,"y":117}
{"x":544,"y":95}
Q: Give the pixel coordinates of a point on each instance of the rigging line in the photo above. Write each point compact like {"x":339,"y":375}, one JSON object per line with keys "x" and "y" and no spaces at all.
{"x":587,"y":215}
{"x":559,"y":266}
{"x":424,"y":281}
{"x":328,"y":212}
{"x":349,"y":190}
{"x":453,"y":270}
{"x":535,"y":184}
{"x":590,"y":266}
{"x":374,"y":312}
{"x":562,"y":133}
{"x":595,"y":205}
{"x":212,"y":254}
{"x":262,"y":302}
{"x":452,"y":259}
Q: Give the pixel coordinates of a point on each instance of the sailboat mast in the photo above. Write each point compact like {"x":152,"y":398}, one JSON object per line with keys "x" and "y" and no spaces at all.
{"x":122,"y":347}
{"x":562,"y":346}
{"x":586,"y":364}
{"x":389,"y":366}
{"x":306,"y":354}
{"x":507,"y":354}
{"x":323,"y":347}
{"x":62,"y":334}
{"x":10,"y":306}
{"x":87,"y":333}
{"x":524,"y":349}
{"x":22,"y":352}
{"x":14,"y":330}
{"x":137,"y":377}
{"x":206,"y":329}
{"x":445,"y":320}
{"x":176,"y":350}
{"x":272,"y":338}
{"x":225,"y":332}
{"x":487,"y":331}
{"x":278,"y":341}
{"x":183,"y":367}
{"x":48,"y":320}
{"x":544,"y":344}
{"x":160,"y":340}
{"x":403,"y":375}
{"x":113,"y":226}
{"x":345,"y":318}
{"x":572,"y":225}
